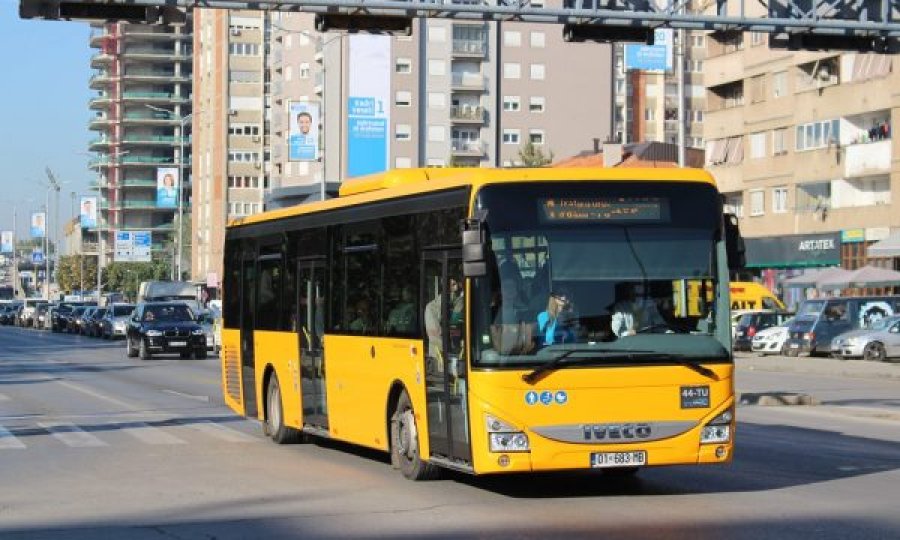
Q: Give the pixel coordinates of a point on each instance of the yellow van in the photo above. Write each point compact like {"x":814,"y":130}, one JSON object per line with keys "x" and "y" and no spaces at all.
{"x":751,"y":295}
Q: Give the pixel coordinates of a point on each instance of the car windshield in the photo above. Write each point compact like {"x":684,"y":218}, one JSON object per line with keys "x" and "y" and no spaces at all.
{"x":580,"y":265}
{"x":168,"y":313}
{"x":97,"y":314}
{"x":122,"y":311}
{"x":811,"y":307}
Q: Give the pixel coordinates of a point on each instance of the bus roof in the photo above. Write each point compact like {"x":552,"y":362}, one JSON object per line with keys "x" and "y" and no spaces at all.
{"x":402,"y":182}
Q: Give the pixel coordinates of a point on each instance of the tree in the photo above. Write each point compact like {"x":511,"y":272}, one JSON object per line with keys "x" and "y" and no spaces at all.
{"x":126,"y":277}
{"x":77,"y":271}
{"x":530,"y":155}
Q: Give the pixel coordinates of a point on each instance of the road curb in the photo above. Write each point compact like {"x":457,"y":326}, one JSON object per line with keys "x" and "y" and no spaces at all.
{"x":776,"y":399}
{"x":820,"y":366}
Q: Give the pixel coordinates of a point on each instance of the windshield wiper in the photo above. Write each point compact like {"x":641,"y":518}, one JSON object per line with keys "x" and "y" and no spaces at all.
{"x":535,"y":375}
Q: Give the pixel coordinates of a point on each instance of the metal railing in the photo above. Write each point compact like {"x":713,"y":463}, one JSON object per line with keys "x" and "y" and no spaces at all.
{"x":469,"y":46}
{"x":470,"y":81}
{"x":470,"y":147}
{"x":467,"y":112}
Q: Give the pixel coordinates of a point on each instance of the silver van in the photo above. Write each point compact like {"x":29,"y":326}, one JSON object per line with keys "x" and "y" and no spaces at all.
{"x":819,"y":321}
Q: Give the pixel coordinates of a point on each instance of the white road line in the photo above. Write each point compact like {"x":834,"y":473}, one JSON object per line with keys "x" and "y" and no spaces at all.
{"x":4,"y":397}
{"x":8,"y":440}
{"x":188,"y":396}
{"x":151,"y":435}
{"x":221,"y":432}
{"x":72,"y":435}
{"x":89,"y":392}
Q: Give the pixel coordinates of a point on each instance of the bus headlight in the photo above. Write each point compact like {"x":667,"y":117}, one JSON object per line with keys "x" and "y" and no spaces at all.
{"x":504,"y":437}
{"x":718,"y":430}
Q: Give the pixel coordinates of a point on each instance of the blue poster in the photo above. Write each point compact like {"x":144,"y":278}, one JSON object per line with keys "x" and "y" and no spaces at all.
{"x":367,"y":137}
{"x":303,"y":140}
{"x":368,"y":112}
{"x":166,"y":187}
{"x":656,"y":57}
{"x":38,"y":224}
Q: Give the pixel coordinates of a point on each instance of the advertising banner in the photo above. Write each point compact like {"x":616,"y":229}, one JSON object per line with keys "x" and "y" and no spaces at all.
{"x":368,"y":113}
{"x":166,"y":187}
{"x":6,"y":242}
{"x":656,"y":58}
{"x":88,"y":214}
{"x":303,"y":140}
{"x":38,"y":225}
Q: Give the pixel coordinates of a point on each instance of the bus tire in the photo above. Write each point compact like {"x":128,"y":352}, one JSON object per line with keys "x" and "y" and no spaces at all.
{"x":274,"y":424}
{"x":405,"y":443}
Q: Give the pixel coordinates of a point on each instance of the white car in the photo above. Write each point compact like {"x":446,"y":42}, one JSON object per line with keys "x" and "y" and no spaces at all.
{"x":771,"y":340}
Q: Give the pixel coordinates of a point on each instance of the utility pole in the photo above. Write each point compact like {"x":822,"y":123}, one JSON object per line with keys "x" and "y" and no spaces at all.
{"x":54,"y":185}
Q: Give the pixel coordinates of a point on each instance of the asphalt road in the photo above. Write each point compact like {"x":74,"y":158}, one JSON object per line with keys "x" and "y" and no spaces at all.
{"x":96,"y":445}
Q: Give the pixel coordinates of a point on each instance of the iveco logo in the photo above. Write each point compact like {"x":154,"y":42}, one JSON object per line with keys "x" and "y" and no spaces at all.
{"x":601,"y":432}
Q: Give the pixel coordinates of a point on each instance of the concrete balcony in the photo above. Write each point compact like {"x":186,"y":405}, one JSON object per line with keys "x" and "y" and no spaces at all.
{"x":154,"y":140}
{"x":469,"y":48}
{"x":467,"y":148}
{"x":101,"y":60}
{"x":101,"y":80}
{"x":153,"y":54}
{"x":866,"y":159}
{"x":473,"y":82}
{"x":155,"y":118}
{"x":154,"y":76}
{"x":164,"y":98}
{"x":466,"y":114}
{"x":722,"y":69}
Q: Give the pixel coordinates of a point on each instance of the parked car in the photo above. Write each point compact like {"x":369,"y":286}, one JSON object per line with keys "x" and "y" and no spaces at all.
{"x":878,"y":342}
{"x":164,"y":328}
{"x":60,"y":316}
{"x":26,"y":314}
{"x":41,"y":316}
{"x":115,"y":322}
{"x":83,"y":320}
{"x":92,"y":323}
{"x":754,"y":321}
{"x":821,"y":320}
{"x":9,"y":313}
{"x":772,"y":340}
{"x":207,"y":321}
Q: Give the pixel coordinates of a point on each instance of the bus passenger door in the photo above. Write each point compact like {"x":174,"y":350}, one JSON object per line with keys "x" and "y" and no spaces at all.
{"x":248,"y":361}
{"x":445,"y":363}
{"x":311,"y":307}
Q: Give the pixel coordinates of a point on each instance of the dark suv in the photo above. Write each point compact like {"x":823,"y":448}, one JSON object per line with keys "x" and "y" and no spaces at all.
{"x":164,"y":328}
{"x":751,"y":323}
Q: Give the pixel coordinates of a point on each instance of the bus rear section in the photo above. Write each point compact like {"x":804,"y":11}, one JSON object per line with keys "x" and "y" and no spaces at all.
{"x":567,"y":339}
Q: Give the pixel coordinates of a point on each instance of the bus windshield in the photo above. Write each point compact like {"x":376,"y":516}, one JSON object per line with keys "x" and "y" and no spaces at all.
{"x":608,"y":268}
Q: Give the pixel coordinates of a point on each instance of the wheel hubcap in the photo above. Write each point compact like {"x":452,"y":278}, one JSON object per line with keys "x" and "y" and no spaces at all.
{"x":407,"y":439}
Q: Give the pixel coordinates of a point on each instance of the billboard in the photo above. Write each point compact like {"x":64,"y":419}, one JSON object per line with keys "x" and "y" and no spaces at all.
{"x":656,"y":57}
{"x":303,"y":140}
{"x":6,"y":242}
{"x":166,"y":187}
{"x":133,"y":246}
{"x":38,"y":225}
{"x":88,"y":215}
{"x":368,"y":111}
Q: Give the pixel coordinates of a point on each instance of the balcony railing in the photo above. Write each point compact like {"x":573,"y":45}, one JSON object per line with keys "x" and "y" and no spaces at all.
{"x":165,"y":139}
{"x":467,"y":113}
{"x":469,"y":81}
{"x":475,"y":47}
{"x":467,"y":147}
{"x":867,"y":158}
{"x":151,"y":115}
{"x":154,"y":95}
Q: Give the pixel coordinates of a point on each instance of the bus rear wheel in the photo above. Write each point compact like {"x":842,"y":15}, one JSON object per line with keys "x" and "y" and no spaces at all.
{"x":274,"y":425}
{"x":405,"y":443}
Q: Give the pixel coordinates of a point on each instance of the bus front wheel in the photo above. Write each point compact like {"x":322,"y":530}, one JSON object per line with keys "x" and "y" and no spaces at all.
{"x":405,"y":443}
{"x":274,"y":425}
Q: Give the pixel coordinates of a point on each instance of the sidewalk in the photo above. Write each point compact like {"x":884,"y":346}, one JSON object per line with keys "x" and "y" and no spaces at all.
{"x":861,"y":369}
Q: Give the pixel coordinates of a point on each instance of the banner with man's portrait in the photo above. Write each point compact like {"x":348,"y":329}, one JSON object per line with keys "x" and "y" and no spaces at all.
{"x":88,"y":215}
{"x":303,"y":139}
{"x":166,"y":187}
{"x":38,"y":225}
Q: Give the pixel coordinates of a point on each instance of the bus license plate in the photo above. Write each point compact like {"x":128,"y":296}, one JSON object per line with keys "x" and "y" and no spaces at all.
{"x":177,"y":343}
{"x":618,"y":459}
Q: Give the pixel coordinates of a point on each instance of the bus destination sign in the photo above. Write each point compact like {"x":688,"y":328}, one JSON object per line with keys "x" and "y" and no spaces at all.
{"x":603,"y":209}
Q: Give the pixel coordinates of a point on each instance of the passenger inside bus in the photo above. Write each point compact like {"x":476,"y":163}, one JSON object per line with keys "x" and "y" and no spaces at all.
{"x":556,"y":324}
{"x":362,"y":322}
{"x":402,"y":318}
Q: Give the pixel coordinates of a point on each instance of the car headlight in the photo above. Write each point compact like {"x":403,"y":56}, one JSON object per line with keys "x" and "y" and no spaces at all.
{"x":119,"y":325}
{"x":718,"y":430}
{"x":505,"y":438}
{"x":153,"y":333}
{"x":197,"y":332}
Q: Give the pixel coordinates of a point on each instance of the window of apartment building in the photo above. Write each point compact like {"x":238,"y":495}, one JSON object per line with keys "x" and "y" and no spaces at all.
{"x":536,"y":104}
{"x":437,"y":34}
{"x":757,"y":202}
{"x":695,"y":142}
{"x":304,"y":70}
{"x":537,"y":3}
{"x":512,"y":38}
{"x":779,"y":200}
{"x":437,"y":100}
{"x":243,"y":129}
{"x":512,"y":103}
{"x":538,"y":40}
{"x":727,"y":151}
{"x":779,"y":146}
{"x":817,"y":134}
{"x":698,"y":41}
{"x":757,"y":38}
{"x":402,"y":163}
{"x":240,"y":76}
{"x":649,"y":114}
{"x":536,"y":136}
{"x":537,"y":72}
{"x":697,"y":116}
{"x":779,"y":84}
{"x":734,"y":204}
{"x":437,"y":68}
{"x":243,"y":49}
{"x":436,"y":162}
{"x":246,"y":157}
{"x":758,"y":145}
{"x":757,"y":88}
{"x":814,"y":196}
{"x":403,"y":65}
{"x":437,"y":134}
{"x":512,"y":70}
{"x":403,"y":98}
{"x":511,"y":136}
{"x":403,"y":132}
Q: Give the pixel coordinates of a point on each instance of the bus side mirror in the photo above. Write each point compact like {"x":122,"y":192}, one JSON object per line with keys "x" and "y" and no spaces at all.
{"x":734,"y":244}
{"x":474,"y":248}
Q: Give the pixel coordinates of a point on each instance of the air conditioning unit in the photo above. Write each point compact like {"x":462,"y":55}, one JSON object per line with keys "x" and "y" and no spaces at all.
{"x":232,"y":112}
{"x":235,"y":31}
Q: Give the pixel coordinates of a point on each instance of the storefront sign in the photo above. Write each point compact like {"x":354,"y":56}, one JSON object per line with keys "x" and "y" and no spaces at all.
{"x":794,"y":251}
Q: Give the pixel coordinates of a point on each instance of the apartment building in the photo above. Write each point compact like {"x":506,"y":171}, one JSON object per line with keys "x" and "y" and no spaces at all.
{"x":801,"y":144}
{"x":142,"y":116}
{"x":231,"y":129}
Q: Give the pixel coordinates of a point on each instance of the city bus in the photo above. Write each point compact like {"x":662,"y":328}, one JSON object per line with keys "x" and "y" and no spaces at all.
{"x":472,"y":319}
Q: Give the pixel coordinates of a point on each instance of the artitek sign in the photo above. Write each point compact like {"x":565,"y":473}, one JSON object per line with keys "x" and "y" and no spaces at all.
{"x":794,"y":251}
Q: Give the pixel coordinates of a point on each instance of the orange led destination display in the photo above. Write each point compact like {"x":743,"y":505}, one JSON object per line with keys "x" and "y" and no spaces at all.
{"x":604,"y":209}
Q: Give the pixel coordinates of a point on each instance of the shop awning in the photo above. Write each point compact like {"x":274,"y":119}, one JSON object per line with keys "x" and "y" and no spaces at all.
{"x":867,"y":276}
{"x":889,"y":247}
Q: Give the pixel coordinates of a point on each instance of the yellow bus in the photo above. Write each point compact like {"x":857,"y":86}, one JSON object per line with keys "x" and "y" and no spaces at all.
{"x":490,"y":320}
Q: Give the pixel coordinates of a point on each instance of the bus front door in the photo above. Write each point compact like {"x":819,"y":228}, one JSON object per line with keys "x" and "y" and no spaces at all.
{"x":311,"y":307}
{"x":248,"y":361}
{"x":445,"y":364}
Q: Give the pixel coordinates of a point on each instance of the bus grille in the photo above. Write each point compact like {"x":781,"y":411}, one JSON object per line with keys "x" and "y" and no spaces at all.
{"x":232,"y":373}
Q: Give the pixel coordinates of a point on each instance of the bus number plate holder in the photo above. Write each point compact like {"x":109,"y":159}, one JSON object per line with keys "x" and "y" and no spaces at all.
{"x":606,"y":460}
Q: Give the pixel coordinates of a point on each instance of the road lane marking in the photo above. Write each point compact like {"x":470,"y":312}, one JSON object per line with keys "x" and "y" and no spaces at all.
{"x":71,"y":435}
{"x":97,"y":395}
{"x":188,"y":396}
{"x":151,"y":435}
{"x":4,"y":397}
{"x":8,"y":440}
{"x":221,"y":432}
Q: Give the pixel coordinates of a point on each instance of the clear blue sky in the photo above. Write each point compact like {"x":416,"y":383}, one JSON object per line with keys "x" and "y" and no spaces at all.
{"x":44,"y":102}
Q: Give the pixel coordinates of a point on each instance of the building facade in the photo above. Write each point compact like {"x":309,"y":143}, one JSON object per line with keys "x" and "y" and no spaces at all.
{"x":142,"y":116}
